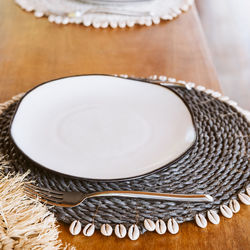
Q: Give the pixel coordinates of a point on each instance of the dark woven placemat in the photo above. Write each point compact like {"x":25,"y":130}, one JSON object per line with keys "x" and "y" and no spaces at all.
{"x":218,"y":165}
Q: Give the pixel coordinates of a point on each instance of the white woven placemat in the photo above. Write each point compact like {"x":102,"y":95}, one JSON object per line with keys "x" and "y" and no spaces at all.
{"x":75,"y":11}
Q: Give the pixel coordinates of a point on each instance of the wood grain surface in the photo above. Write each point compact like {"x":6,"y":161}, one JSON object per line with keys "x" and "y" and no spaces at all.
{"x":33,"y":51}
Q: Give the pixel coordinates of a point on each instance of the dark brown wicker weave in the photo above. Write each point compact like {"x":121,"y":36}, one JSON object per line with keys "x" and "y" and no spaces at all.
{"x":218,"y":165}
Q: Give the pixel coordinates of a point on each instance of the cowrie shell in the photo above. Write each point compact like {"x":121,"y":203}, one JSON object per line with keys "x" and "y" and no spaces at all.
{"x":170,"y":79}
{"x":58,"y":20}
{"x":224,"y":98}
{"x":167,"y":17}
{"x":133,"y":232}
{"x":216,"y":94}
{"x":89,"y":229}
{"x":51,"y":18}
{"x":244,"y":198}
{"x":29,"y":8}
{"x":75,"y":227}
{"x":154,"y":77}
{"x":201,"y":88}
{"x":65,"y":20}
{"x":234,"y":206}
{"x":190,"y":85}
{"x":106,"y":229}
{"x":120,"y":231}
{"x":124,"y":75}
{"x":232,"y":103}
{"x":248,"y":190}
{"x":201,"y":220}
{"x":38,"y":14}
{"x":173,"y":226}
{"x":213,"y":217}
{"x":141,"y":21}
{"x":163,"y":78}
{"x":130,"y":23}
{"x":156,"y":20}
{"x":96,"y":24}
{"x":113,"y":24}
{"x":86,"y":22}
{"x":181,"y":82}
{"x":209,"y":91}
{"x":185,"y":7}
{"x":122,"y":24}
{"x":226,"y":211}
{"x":148,"y":22}
{"x":104,"y":24}
{"x":160,"y":227}
{"x":149,"y":225}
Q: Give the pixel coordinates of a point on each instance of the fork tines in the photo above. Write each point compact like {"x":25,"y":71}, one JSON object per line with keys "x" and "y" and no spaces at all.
{"x":44,"y":194}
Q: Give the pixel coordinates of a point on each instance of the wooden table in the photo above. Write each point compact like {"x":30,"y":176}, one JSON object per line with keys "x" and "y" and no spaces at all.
{"x":33,"y":51}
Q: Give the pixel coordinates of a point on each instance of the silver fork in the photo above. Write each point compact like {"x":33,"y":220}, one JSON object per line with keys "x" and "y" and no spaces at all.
{"x":72,"y":199}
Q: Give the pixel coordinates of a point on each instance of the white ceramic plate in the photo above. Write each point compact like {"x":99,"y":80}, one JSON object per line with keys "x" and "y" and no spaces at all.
{"x":102,"y":127}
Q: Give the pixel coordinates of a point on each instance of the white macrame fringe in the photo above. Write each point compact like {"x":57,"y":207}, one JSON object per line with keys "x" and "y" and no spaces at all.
{"x":24,"y":223}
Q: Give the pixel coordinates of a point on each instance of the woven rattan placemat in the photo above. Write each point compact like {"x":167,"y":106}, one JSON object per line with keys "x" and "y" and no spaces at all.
{"x":218,"y":165}
{"x":101,"y":15}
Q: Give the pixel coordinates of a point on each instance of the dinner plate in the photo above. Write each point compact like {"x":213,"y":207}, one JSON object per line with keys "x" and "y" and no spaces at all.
{"x":102,"y":127}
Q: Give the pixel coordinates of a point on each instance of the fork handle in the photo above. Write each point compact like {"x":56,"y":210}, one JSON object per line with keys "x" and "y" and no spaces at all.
{"x":155,"y":196}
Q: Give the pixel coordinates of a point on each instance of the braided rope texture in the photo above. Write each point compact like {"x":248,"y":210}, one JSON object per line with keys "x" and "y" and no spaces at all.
{"x":218,"y":165}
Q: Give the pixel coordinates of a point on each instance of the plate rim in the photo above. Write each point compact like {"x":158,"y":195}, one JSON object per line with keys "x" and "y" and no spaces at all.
{"x":146,"y":81}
